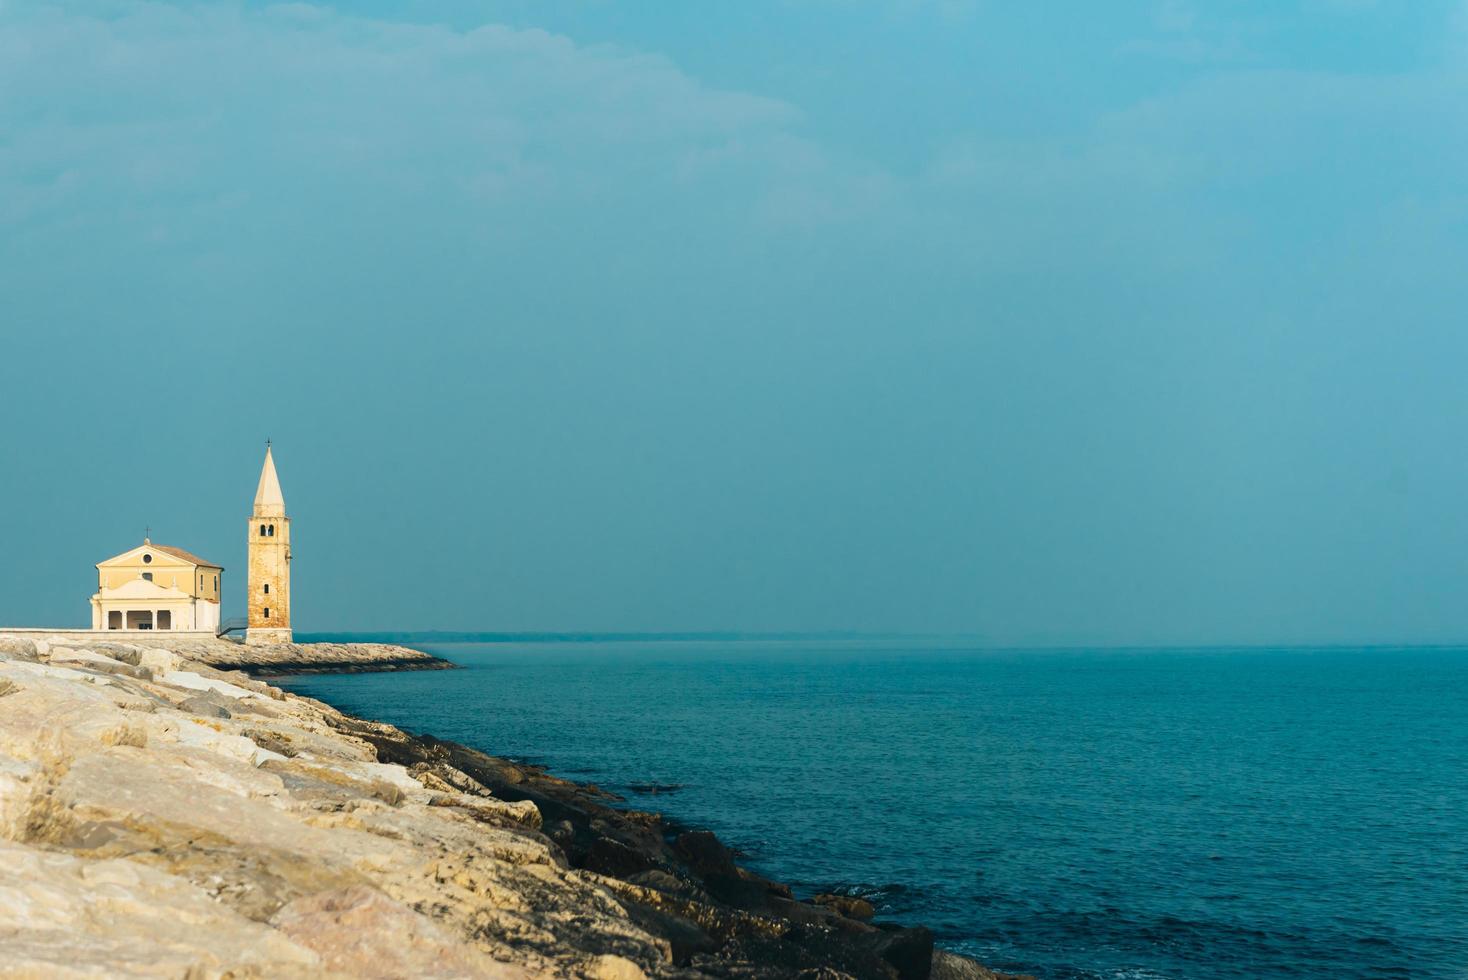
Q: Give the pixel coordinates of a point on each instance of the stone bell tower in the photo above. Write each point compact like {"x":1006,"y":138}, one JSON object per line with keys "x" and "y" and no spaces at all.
{"x":268,"y":604}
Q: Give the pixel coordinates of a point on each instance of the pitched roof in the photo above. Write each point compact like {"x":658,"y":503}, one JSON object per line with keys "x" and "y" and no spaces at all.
{"x":185,"y":555}
{"x":269,"y":502}
{"x":178,"y":553}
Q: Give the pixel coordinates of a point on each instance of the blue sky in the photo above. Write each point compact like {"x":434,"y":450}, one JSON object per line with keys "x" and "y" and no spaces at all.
{"x":1051,"y":322}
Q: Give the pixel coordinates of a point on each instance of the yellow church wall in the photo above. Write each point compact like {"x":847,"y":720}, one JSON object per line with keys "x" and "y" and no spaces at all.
{"x":168,"y":571}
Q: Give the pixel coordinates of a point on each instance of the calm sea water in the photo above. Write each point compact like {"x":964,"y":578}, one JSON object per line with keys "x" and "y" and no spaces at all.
{"x":1146,"y":814}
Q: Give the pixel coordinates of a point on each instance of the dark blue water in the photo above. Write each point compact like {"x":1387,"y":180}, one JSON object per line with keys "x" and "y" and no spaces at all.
{"x":1182,"y":814}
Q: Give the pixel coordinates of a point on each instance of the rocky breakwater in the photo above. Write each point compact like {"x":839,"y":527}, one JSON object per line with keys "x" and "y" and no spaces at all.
{"x":162,"y":817}
{"x":278,"y":659}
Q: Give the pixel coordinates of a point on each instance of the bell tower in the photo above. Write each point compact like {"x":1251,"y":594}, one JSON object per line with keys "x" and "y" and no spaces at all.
{"x":268,"y":604}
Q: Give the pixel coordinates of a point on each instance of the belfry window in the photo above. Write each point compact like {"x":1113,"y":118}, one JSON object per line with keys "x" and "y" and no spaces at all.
{"x":262,"y":530}
{"x":272,"y":530}
{"x":267,"y":588}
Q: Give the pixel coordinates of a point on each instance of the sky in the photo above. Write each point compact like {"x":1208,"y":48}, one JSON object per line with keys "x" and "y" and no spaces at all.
{"x":1047,"y":323}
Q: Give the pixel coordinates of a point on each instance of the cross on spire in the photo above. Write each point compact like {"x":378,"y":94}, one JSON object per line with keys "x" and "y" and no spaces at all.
{"x":147,"y":533}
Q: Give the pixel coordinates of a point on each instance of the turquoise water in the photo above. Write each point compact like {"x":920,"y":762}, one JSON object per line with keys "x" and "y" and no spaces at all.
{"x":1147,"y":814}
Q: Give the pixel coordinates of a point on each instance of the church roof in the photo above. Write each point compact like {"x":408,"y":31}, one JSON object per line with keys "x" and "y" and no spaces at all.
{"x":178,"y":553}
{"x":269,"y":502}
{"x":187,"y":556}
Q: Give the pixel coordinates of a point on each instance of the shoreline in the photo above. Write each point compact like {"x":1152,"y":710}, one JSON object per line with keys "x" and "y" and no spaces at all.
{"x":320,"y":844}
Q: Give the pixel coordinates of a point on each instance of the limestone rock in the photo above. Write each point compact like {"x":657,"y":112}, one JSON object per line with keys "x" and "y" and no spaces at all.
{"x":17,"y":648}
{"x":204,"y":707}
{"x":611,"y":967}
{"x":63,"y":916}
{"x":362,"y":933}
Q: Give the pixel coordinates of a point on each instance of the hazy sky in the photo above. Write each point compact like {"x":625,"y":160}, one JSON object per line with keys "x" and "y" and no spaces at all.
{"x":1124,"y":322}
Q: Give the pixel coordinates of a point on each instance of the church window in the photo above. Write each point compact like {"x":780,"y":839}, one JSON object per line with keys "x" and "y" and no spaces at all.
{"x":147,"y":559}
{"x":267,"y":612}
{"x":267,"y":588}
{"x":272,"y":530}
{"x":147,"y":576}
{"x":262,"y":530}
{"x":216,"y":583}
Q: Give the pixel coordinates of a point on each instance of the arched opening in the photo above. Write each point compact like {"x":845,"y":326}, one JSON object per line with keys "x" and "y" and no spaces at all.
{"x":165,"y":619}
{"x":262,"y":530}
{"x":272,"y":530}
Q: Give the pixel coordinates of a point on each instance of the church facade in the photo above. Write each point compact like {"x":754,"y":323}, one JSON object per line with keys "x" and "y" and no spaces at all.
{"x":160,"y":587}
{"x":157,"y":587}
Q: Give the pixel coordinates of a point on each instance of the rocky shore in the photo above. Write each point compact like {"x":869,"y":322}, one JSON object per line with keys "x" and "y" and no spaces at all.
{"x":163,"y":813}
{"x":279,"y":659}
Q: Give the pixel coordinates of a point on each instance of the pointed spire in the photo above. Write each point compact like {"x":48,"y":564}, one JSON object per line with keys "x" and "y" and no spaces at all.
{"x":269,"y":502}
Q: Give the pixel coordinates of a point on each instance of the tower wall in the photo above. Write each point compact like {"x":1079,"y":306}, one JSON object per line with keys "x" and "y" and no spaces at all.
{"x":268,"y":613}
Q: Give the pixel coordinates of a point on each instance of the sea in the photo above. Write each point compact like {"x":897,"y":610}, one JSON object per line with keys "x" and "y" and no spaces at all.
{"x":1072,"y":814}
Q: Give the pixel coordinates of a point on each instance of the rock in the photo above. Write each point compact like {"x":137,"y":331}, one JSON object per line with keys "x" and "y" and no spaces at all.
{"x":88,"y":660}
{"x":685,"y":937}
{"x":204,"y":707}
{"x":562,"y":832}
{"x":909,"y":951}
{"x":951,"y":966}
{"x":159,"y":661}
{"x":279,"y":743}
{"x":704,"y":853}
{"x":848,"y":905}
{"x":192,"y":681}
{"x":362,"y":933}
{"x":61,"y":915}
{"x":738,"y":891}
{"x":124,"y":652}
{"x":17,"y":648}
{"x":611,"y":967}
{"x":613,"y":858}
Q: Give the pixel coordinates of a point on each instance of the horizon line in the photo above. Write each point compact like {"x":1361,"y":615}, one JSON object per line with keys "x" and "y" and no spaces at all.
{"x":655,"y":636}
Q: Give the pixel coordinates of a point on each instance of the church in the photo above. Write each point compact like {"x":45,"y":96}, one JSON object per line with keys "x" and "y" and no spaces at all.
{"x":160,"y":587}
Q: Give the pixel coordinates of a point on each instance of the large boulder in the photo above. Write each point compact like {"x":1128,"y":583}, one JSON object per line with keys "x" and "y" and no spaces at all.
{"x":18,"y":648}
